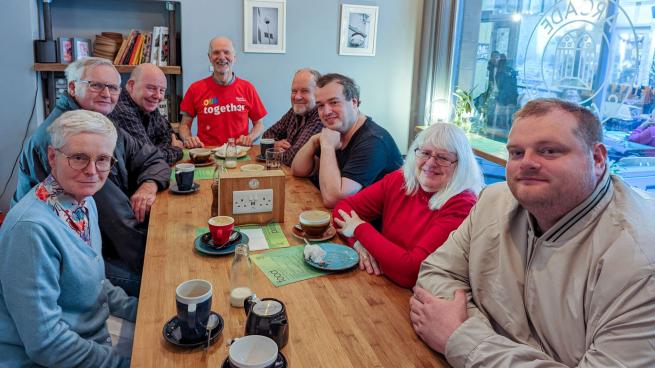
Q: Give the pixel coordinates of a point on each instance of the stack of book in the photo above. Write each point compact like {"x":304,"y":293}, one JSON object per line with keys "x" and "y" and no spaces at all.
{"x":107,"y":44}
{"x":144,"y":47}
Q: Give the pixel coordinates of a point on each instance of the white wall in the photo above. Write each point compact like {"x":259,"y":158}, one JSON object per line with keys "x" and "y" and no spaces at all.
{"x":17,"y":87}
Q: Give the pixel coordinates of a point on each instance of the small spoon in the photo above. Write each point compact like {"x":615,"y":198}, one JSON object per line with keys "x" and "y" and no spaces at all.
{"x":211,"y":324}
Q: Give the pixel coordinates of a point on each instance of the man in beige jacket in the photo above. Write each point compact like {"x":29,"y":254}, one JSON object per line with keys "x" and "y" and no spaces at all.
{"x":554,"y":268}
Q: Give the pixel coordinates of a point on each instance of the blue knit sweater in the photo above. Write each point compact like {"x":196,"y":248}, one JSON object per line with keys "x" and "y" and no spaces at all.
{"x":54,"y":298}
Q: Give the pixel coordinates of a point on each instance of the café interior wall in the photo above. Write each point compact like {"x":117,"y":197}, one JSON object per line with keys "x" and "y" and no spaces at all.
{"x":312,"y":37}
{"x":18,"y":24}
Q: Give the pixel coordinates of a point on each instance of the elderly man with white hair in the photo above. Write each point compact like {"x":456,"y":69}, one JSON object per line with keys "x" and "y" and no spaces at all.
{"x":140,"y":171}
{"x":54,"y":298}
{"x":222,"y":103}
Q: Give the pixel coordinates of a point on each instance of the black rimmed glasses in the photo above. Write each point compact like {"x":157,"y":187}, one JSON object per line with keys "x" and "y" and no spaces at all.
{"x":98,"y":87}
{"x":79,"y":161}
{"x":440,"y":159}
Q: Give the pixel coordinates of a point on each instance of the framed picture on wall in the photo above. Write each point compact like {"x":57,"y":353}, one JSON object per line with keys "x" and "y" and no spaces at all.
{"x":65,"y":50}
{"x":264,"y":26}
{"x":359,"y":24}
{"x":81,"y":48}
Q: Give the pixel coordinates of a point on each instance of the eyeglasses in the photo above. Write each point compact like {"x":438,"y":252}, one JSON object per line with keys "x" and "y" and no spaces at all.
{"x":80,"y":161}
{"x":441,"y":160}
{"x":99,"y":87}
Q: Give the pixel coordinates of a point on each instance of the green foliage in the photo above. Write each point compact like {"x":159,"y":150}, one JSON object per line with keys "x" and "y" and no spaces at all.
{"x":464,"y":109}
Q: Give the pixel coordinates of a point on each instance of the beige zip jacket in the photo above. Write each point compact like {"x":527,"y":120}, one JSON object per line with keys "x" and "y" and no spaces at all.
{"x":580,"y":295}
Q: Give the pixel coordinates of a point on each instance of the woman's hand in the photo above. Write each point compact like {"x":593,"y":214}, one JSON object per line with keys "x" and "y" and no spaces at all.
{"x":349,"y":223}
{"x":366,"y":260}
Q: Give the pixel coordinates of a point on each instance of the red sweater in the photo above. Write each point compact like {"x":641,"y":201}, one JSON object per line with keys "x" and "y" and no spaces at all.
{"x":410,"y":230}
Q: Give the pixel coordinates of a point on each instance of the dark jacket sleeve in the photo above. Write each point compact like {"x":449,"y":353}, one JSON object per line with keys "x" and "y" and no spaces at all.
{"x":33,"y":166}
{"x":31,"y":170}
{"x":144,"y":162}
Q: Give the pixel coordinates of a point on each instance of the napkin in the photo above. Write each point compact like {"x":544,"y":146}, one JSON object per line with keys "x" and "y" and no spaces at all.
{"x":221,"y":150}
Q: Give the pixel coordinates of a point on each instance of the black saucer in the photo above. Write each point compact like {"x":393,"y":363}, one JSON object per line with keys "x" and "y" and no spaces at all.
{"x":260,"y":158}
{"x":173,"y":335}
{"x":206,"y":239}
{"x":280,"y":362}
{"x":194,"y":188}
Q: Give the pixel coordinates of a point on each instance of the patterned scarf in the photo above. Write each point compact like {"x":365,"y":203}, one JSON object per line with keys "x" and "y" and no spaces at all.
{"x":72,"y":213}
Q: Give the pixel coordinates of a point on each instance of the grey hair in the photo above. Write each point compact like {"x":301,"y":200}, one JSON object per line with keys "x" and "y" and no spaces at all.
{"x":467,"y":174}
{"x":76,"y":70}
{"x":219,"y":37}
{"x":311,"y":71}
{"x":80,"y":121}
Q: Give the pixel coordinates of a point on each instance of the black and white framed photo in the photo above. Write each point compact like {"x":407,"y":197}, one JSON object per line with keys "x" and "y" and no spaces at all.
{"x":264,"y":26}
{"x":81,"y":48}
{"x":359,"y":24}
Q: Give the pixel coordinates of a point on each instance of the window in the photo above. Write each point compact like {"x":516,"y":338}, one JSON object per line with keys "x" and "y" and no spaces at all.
{"x":598,"y":53}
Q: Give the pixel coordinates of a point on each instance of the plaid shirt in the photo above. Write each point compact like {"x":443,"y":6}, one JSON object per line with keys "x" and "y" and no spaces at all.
{"x":73,"y":213}
{"x":297,"y":129}
{"x":151,"y":128}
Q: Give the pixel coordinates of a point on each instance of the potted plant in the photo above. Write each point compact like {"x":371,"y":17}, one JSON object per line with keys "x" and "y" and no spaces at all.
{"x":464,"y":109}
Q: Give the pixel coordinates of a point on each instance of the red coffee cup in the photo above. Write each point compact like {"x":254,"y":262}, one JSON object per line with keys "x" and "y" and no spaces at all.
{"x":220,"y":227}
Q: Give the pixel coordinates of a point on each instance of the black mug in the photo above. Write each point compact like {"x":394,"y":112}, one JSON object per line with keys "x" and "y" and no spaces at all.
{"x":193,"y":299}
{"x":184,"y":176}
{"x":264,"y":144}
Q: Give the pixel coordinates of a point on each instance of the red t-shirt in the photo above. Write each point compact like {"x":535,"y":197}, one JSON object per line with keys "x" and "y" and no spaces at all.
{"x":222,"y":111}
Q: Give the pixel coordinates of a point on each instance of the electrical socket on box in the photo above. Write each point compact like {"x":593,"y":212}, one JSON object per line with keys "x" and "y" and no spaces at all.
{"x":252,"y":201}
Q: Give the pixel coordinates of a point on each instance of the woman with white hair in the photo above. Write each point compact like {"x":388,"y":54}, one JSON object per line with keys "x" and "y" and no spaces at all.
{"x":54,"y":298}
{"x":417,"y":206}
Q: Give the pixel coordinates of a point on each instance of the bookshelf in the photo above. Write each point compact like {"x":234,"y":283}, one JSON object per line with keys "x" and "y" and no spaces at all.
{"x":140,"y":14}
{"x":53,"y":67}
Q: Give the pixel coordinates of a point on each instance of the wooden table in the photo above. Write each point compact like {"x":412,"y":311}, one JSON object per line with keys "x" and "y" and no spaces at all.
{"x":348,"y":319}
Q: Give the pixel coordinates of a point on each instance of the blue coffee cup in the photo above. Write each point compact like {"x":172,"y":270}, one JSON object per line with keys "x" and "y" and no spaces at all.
{"x":194,"y":301}
{"x":184,"y":176}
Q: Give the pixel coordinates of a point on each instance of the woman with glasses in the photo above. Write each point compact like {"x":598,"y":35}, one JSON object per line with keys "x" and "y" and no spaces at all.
{"x":54,"y":298}
{"x":417,"y":206}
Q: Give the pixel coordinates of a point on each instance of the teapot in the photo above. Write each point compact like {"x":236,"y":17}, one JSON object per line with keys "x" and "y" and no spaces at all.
{"x":267,"y":317}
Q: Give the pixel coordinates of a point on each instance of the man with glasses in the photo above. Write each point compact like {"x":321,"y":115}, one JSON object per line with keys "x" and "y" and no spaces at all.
{"x":139,"y":172}
{"x":137,"y":112}
{"x":352,"y":151}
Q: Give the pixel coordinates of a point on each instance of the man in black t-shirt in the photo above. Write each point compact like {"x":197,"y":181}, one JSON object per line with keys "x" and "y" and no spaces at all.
{"x":352,"y":151}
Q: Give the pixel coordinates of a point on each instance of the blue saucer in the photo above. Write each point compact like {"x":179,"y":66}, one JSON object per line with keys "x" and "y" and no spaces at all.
{"x":337,"y":257}
{"x":204,"y":245}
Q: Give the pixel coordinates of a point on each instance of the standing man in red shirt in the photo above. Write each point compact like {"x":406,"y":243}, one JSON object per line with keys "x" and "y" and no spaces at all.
{"x":222,"y":103}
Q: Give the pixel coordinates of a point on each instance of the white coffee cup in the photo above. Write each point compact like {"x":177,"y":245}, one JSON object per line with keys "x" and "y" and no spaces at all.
{"x":253,"y":351}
